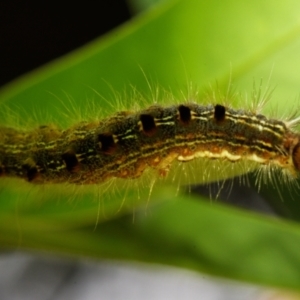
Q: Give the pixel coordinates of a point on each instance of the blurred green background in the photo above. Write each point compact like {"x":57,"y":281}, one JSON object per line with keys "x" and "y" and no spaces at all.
{"x":170,"y":44}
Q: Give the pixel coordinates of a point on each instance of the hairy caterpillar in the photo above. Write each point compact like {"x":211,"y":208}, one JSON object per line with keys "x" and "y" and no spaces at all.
{"x":127,"y":143}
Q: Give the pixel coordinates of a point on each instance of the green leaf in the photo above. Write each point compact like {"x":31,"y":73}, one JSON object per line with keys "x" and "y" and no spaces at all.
{"x":174,"y":44}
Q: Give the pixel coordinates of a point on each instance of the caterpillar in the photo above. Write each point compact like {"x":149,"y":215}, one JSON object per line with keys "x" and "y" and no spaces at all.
{"x":127,"y":143}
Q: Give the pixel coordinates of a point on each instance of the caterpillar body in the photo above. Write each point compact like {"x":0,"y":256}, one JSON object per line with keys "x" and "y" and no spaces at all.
{"x":127,"y":143}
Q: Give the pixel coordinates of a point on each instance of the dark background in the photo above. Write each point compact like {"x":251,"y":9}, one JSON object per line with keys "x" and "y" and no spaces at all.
{"x":33,"y":33}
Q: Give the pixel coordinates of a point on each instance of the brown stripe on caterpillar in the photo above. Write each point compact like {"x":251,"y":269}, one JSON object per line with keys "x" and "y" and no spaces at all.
{"x":127,"y":143}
